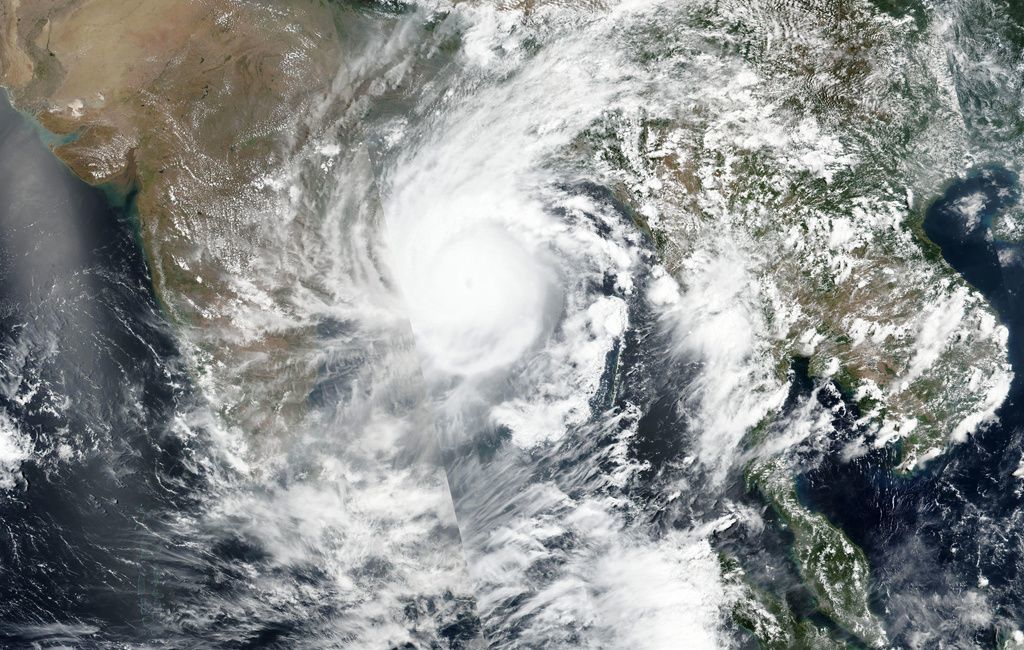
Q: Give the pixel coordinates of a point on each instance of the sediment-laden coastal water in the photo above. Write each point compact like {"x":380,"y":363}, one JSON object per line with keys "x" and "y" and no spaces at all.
{"x":940,"y":558}
{"x":91,"y":382}
{"x":603,"y":325}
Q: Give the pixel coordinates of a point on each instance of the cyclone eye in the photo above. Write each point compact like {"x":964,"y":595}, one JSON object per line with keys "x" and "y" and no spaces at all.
{"x":477,"y":298}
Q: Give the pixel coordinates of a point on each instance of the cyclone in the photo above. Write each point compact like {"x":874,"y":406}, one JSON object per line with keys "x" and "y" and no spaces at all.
{"x":430,"y":324}
{"x":477,"y":298}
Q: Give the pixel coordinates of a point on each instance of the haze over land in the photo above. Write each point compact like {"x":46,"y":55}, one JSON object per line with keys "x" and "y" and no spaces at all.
{"x":556,"y":324}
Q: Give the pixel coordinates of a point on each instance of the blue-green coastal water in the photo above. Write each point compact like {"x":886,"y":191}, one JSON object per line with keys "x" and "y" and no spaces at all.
{"x":89,"y":381}
{"x":952,"y":530}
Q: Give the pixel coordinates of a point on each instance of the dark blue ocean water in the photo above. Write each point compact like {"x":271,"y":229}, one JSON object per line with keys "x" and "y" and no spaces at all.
{"x":89,"y":372}
{"x":949,"y":537}
{"x":88,"y":362}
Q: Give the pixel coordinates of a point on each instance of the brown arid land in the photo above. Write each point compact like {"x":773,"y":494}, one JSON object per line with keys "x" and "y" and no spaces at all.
{"x":183,"y":106}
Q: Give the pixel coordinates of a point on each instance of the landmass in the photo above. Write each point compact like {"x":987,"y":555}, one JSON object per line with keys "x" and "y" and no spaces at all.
{"x":787,"y":199}
{"x":183,"y":107}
